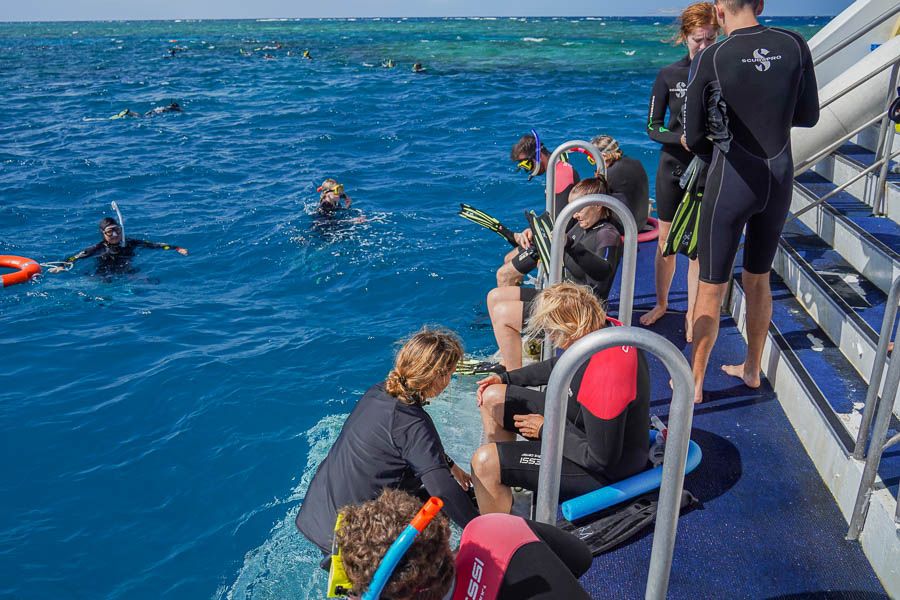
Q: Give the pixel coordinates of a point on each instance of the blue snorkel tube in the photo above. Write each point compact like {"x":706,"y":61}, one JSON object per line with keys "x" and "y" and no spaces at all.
{"x":398,"y":549}
{"x":537,"y":156}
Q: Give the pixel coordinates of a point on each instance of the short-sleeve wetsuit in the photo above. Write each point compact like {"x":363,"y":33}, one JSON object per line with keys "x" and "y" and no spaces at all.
{"x":607,"y":419}
{"x":116,"y":258}
{"x":768,"y":83}
{"x":384,"y":443}
{"x":669,"y":92}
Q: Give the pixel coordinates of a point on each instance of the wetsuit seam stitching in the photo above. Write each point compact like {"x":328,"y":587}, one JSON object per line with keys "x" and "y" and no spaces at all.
{"x":718,"y":156}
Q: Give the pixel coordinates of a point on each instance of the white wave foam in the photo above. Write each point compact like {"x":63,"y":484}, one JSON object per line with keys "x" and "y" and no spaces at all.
{"x":534,"y":40}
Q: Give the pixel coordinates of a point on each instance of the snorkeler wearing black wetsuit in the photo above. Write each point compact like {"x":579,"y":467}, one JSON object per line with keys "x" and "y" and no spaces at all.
{"x":765,"y":77}
{"x":114,"y":256}
{"x":669,"y":92}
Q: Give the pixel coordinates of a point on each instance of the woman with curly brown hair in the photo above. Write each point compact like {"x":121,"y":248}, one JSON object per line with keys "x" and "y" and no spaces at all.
{"x":500,"y":557}
{"x":389,"y":441}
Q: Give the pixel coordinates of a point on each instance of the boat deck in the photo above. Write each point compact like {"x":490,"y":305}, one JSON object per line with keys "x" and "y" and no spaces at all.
{"x":767,"y":526}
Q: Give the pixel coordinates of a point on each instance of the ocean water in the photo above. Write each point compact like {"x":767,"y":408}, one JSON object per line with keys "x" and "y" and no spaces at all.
{"x":158,"y":429}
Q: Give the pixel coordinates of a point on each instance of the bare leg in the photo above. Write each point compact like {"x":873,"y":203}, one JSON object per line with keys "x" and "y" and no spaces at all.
{"x":506,"y":319}
{"x":664,"y":270}
{"x":706,"y":330}
{"x":492,"y":407}
{"x":507,"y":275}
{"x":492,"y":496}
{"x":693,"y":282}
{"x":759,"y":315}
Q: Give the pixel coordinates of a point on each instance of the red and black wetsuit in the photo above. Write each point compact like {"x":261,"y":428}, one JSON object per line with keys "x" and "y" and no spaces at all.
{"x":607,"y":419}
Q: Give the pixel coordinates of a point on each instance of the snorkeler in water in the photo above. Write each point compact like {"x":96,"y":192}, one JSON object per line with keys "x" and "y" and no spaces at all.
{"x":307,"y":55}
{"x":388,"y":64}
{"x":418,"y":68}
{"x":174,"y":107}
{"x":125,"y":114}
{"x":113,"y":253}
{"x":332,"y":197}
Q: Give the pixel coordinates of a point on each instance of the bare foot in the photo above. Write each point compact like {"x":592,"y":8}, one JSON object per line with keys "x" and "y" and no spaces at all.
{"x":688,"y":330}
{"x":750,"y":380}
{"x":653,"y":316}
{"x":698,"y":396}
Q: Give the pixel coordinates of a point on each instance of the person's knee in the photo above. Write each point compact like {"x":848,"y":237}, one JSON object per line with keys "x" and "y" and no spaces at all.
{"x":755,"y":281}
{"x":494,"y":297}
{"x":493,"y":398}
{"x":508,"y":314}
{"x":486,"y":463}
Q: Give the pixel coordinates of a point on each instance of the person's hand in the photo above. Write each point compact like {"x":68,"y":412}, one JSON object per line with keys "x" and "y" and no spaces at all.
{"x":182,"y":251}
{"x":529,"y":425}
{"x":462,"y":478}
{"x":684,"y":142}
{"x":492,"y":379}
{"x":55,"y":269}
{"x":525,"y":238}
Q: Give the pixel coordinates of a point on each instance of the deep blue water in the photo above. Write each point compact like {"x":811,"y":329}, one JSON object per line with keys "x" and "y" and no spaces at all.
{"x":158,"y":429}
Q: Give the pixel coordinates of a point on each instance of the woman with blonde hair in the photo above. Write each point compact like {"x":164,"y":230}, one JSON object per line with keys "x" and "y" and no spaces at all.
{"x":389,"y":441}
{"x":607,"y":415}
{"x":698,"y":27}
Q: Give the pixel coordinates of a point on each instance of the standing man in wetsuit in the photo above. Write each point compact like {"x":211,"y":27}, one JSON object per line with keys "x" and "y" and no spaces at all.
{"x":766,"y":78}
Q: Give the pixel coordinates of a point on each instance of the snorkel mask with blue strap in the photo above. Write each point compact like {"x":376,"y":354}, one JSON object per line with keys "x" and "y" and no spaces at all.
{"x":532,"y":166}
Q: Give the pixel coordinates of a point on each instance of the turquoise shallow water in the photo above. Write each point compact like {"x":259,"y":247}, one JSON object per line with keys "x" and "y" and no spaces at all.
{"x":158,"y":430}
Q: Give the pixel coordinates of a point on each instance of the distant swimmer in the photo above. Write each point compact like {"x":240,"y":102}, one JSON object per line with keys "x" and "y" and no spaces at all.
{"x":159,"y":110}
{"x":268,"y":57}
{"x":125,"y":114}
{"x":388,"y":64}
{"x":332,"y":197}
{"x":307,"y":55}
{"x":245,"y":52}
{"x":418,"y":68}
{"x":113,"y":253}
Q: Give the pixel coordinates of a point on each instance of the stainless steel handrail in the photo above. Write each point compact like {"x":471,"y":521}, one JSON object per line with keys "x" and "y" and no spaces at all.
{"x":877,"y":446}
{"x":887,"y":330}
{"x":681,"y":413}
{"x":812,"y":160}
{"x":861,"y":32}
{"x":855,"y":85}
{"x":876,"y":165}
{"x":550,"y":187}
{"x":885,"y":144}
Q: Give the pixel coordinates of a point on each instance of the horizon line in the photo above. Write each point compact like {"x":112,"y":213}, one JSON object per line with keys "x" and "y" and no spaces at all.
{"x":336,"y":18}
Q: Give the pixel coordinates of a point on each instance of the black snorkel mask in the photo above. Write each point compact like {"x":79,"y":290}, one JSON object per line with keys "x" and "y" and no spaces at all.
{"x":529,"y":165}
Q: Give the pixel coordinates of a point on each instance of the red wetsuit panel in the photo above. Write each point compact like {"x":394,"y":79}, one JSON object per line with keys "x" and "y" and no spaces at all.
{"x":487,"y":546}
{"x":565,"y":177}
{"x":610,"y":382}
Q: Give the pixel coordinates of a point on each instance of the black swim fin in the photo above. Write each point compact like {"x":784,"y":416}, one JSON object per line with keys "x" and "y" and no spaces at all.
{"x":614,"y":526}
{"x":541,"y":232}
{"x":479,"y":217}
{"x":473,"y":366}
{"x":684,"y":234}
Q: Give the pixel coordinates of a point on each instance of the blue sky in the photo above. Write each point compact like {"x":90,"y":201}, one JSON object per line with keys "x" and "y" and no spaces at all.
{"x":73,"y":10}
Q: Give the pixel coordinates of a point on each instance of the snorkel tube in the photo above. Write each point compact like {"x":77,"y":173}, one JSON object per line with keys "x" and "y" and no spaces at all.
{"x":537,"y":156}
{"x":115,"y":207}
{"x":398,"y":549}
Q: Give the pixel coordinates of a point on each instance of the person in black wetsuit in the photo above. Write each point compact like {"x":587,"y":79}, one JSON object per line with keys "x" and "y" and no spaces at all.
{"x":389,"y":441}
{"x":766,"y":79}
{"x":626,"y":178}
{"x":501,"y":557}
{"x":114,"y":256}
{"x":607,"y":415}
{"x":593,"y":251}
{"x":533,"y":160}
{"x":698,"y":28}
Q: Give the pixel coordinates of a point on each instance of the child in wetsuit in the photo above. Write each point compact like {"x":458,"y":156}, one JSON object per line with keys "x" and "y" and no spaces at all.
{"x":593,"y":250}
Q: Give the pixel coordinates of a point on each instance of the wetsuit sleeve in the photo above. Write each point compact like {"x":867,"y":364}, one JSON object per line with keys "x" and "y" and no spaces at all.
{"x":806,"y":114}
{"x":609,"y":385}
{"x":659,"y":102}
{"x":597,"y":263}
{"x":457,"y":504}
{"x":156,"y":245}
{"x":534,"y":374}
{"x":86,"y":253}
{"x":694,"y":118}
{"x":573,"y":552}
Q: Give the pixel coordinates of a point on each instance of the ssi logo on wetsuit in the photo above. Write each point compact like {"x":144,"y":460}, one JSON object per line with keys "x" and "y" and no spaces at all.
{"x":474,"y":590}
{"x":762,"y":59}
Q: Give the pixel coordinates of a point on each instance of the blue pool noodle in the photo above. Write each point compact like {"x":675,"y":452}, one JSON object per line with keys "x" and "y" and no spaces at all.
{"x":629,"y":488}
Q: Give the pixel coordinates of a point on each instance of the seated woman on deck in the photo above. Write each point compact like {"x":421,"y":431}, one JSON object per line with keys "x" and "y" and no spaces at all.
{"x":593,"y":249}
{"x":501,"y":557}
{"x":389,"y":441}
{"x":607,"y":415}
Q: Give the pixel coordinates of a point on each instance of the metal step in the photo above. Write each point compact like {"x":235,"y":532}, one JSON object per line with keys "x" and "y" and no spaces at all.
{"x":848,"y":162}
{"x":842,"y":223}
{"x":803,"y":404}
{"x":856,"y":338}
{"x":868,"y":139}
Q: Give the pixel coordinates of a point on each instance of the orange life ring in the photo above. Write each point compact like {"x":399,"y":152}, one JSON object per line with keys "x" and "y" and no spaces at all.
{"x":27,"y":269}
